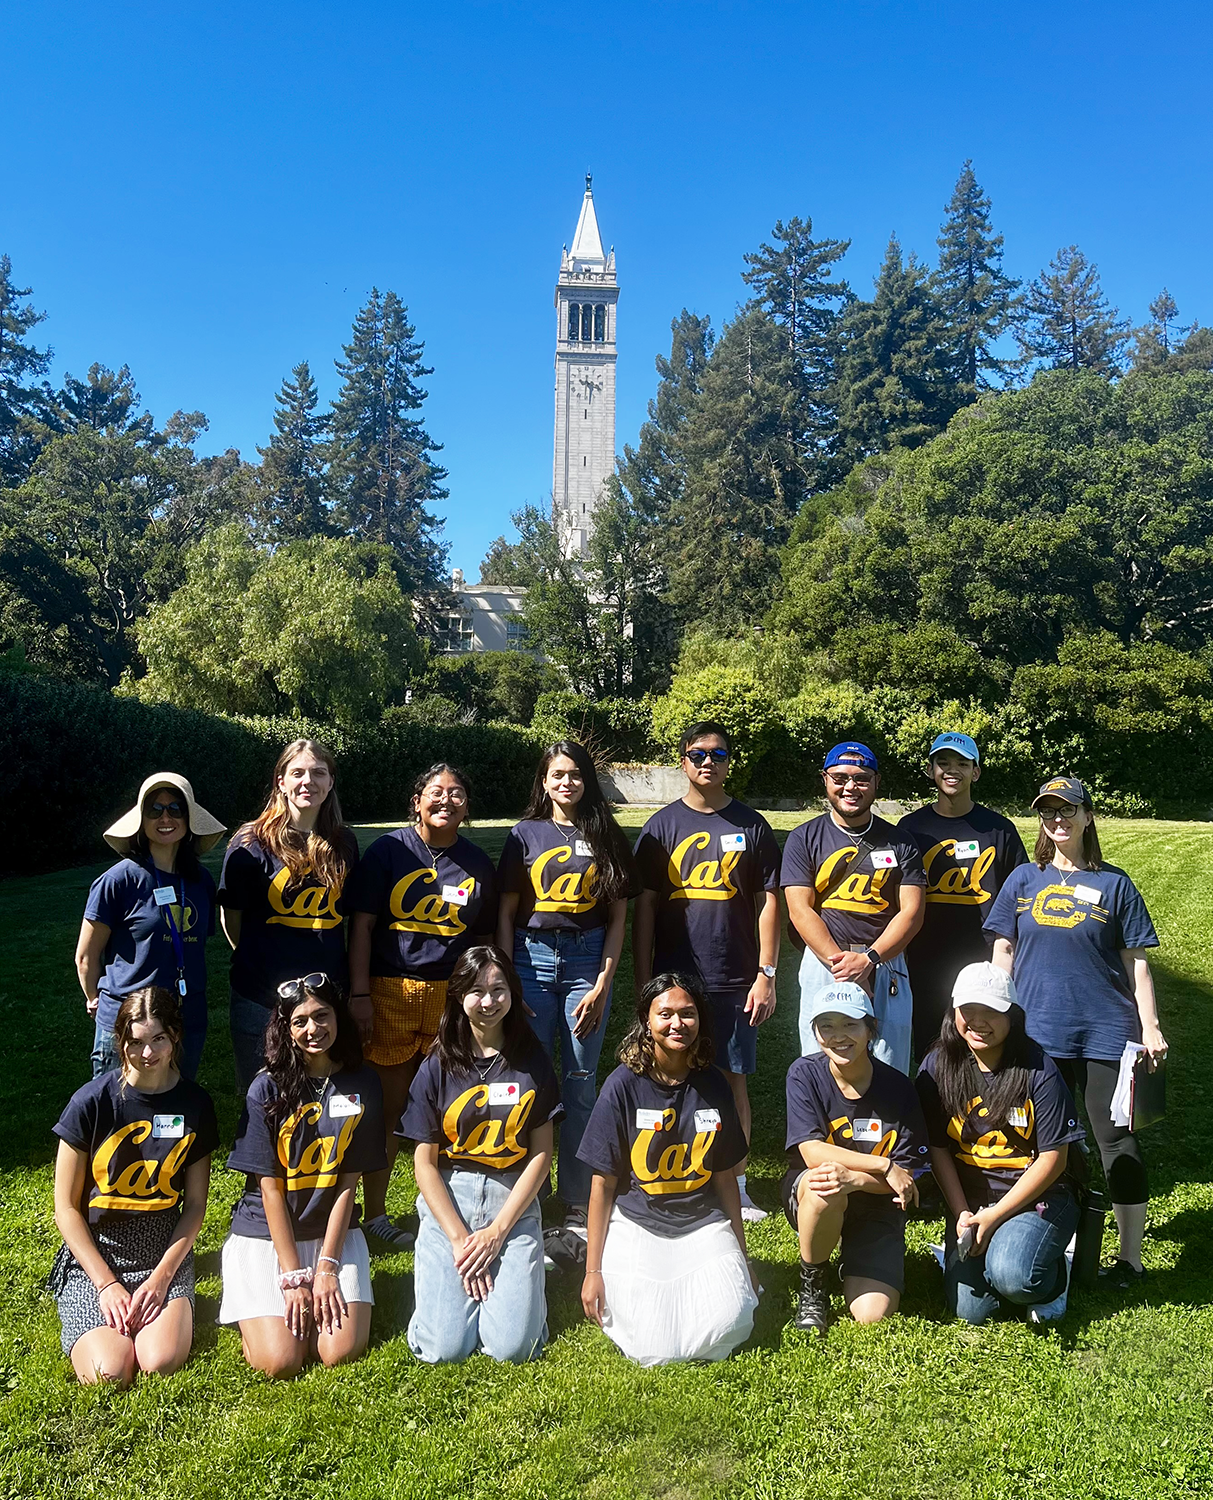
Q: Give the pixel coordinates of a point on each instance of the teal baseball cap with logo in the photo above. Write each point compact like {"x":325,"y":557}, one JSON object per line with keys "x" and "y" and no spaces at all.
{"x":960,"y":744}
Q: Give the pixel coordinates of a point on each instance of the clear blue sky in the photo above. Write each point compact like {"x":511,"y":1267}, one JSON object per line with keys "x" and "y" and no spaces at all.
{"x":208,"y":192}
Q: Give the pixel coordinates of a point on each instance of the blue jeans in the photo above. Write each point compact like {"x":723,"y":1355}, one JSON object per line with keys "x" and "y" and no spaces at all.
{"x":511,"y":1323}
{"x":558,"y":970}
{"x":893,"y":1011}
{"x":1023,"y":1262}
{"x":248,"y":1021}
{"x":105,"y":1057}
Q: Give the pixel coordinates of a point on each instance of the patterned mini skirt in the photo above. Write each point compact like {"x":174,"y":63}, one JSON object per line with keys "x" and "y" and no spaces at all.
{"x":133,"y":1246}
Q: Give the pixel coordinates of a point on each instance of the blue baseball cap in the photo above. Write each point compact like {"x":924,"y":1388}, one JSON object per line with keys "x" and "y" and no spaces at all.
{"x":842,"y":999}
{"x":961,"y":743}
{"x":850,"y":752}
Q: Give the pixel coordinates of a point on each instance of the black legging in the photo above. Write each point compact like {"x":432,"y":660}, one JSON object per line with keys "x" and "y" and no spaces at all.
{"x":1118,"y":1148}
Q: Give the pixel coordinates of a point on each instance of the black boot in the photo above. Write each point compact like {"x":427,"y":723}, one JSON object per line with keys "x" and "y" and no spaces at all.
{"x":813,"y":1309}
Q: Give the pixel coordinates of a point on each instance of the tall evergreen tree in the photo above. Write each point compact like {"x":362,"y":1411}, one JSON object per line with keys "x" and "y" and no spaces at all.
{"x":895,"y":385}
{"x":381,"y":468}
{"x":294,"y":481}
{"x":977,"y":298}
{"x":104,"y":401}
{"x":1069,"y":324}
{"x":1156,"y":342}
{"x":26,"y":404}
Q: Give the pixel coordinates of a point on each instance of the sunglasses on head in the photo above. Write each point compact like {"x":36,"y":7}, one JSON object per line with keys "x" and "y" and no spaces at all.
{"x":290,"y":988}
{"x":162,"y":809}
{"x":701,"y":757}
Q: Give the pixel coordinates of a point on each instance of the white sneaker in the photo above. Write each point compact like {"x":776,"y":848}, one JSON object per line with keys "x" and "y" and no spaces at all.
{"x":750,"y":1211}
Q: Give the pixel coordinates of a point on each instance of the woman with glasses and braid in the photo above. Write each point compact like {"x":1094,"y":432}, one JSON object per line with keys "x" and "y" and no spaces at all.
{"x":420,"y":898}
{"x":1074,"y":931}
{"x":296,"y":1271}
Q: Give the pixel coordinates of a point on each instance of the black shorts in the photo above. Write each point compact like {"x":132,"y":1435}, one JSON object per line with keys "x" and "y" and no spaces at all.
{"x":873,"y":1234}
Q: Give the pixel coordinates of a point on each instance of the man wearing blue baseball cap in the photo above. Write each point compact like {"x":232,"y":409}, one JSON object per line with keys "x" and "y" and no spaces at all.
{"x":854,"y":891}
{"x":967,"y":852}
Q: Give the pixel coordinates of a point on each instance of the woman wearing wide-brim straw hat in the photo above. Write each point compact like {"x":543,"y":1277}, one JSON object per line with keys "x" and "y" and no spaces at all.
{"x":148,"y":917}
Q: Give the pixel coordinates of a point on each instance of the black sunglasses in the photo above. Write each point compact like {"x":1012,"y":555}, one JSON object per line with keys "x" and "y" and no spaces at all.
{"x":701,"y":757}
{"x":289,"y":988}
{"x":159,"y":809}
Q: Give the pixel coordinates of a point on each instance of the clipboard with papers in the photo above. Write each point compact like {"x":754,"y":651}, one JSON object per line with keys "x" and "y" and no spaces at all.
{"x":1140,"y":1097}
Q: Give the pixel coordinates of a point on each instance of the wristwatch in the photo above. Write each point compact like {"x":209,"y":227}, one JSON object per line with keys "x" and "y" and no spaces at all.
{"x":768,"y":969}
{"x":873,"y":958}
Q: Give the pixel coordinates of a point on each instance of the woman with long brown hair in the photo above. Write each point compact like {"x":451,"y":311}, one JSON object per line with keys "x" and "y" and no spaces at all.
{"x":280,"y":894}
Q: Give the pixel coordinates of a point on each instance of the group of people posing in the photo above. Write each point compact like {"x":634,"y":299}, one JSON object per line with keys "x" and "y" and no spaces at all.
{"x":466,"y":1016}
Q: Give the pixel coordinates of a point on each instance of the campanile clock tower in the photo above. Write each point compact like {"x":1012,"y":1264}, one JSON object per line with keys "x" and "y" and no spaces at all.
{"x":584,"y":450}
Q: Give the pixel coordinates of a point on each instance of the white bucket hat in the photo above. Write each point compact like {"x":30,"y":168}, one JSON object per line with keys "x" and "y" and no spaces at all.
{"x":206,"y":828}
{"x":984,"y":984}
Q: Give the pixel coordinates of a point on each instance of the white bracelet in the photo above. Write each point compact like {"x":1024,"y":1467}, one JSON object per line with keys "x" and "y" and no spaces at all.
{"x":332,"y":1260}
{"x":289,"y":1280}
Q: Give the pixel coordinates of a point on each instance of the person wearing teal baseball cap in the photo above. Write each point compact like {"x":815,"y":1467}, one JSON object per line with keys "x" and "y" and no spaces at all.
{"x":967,"y":850}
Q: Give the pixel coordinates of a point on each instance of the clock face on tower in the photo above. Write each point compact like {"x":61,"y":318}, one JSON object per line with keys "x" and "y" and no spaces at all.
{"x":591,"y":383}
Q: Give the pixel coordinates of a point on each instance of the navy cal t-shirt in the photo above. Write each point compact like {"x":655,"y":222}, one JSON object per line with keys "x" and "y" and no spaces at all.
{"x":323,"y":1139}
{"x":430,"y":905}
{"x":1068,"y":929}
{"x":138,"y":1145}
{"x":664,"y":1145}
{"x":483,"y":1125}
{"x":866,"y":900}
{"x":991,"y":1157}
{"x":709,"y":870}
{"x":551,"y":867}
{"x":140,"y":948}
{"x":286,"y":930}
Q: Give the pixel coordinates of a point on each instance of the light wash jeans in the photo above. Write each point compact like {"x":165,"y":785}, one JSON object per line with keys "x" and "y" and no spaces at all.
{"x":105,"y":1059}
{"x":558,"y":969}
{"x":511,"y":1323}
{"x":1023,"y":1262}
{"x":248,"y":1020}
{"x":894,"y":1013}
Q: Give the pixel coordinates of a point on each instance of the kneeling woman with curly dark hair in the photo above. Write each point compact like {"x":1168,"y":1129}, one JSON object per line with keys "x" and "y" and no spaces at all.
{"x":296,"y":1274}
{"x":666,"y":1272}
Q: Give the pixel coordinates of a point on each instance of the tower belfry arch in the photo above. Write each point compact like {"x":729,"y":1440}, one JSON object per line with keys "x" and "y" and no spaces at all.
{"x":587,"y":293}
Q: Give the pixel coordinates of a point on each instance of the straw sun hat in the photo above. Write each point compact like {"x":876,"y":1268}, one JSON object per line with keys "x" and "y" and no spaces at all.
{"x":205,"y":827}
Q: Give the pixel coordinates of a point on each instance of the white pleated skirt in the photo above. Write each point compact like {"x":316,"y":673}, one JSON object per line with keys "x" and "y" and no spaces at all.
{"x":251,"y":1271}
{"x":670,"y":1300}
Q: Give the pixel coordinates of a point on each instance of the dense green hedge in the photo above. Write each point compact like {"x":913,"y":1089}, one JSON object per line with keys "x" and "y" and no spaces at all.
{"x":74,"y":757}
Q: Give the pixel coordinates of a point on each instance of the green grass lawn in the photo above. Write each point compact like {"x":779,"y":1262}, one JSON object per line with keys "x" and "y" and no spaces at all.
{"x":1116,"y":1403}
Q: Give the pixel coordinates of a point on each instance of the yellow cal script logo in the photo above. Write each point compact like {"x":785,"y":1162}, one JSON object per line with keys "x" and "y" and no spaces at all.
{"x":488,"y":1143}
{"x":313,"y":907}
{"x":320,"y":1161}
{"x":679,"y":1168}
{"x":570,"y":891}
{"x":858,"y":891}
{"x":709,"y":880}
{"x":428,"y":912}
{"x":958,"y":885}
{"x":142,"y":1184}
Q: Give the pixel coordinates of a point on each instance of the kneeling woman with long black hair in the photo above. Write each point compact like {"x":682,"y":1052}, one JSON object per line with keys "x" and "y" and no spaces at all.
{"x":666,"y":1273}
{"x":1001,"y":1123}
{"x":296,"y":1274}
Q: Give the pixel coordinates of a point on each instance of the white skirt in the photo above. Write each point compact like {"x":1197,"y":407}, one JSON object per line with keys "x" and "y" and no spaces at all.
{"x":675,"y":1299}
{"x":251,"y":1271}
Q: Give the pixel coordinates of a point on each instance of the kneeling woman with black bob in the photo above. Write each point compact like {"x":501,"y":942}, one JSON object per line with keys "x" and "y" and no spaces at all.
{"x":1001,"y":1123}
{"x":856,"y":1140}
{"x":482,"y":1111}
{"x":296,"y":1273}
{"x":131,"y":1183}
{"x":666,"y":1272}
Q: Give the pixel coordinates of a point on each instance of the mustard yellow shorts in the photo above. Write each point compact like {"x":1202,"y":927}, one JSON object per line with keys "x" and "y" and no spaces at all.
{"x":407,"y":1012}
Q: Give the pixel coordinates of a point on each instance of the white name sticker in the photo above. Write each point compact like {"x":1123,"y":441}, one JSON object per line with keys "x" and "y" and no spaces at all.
{"x":649,"y":1119}
{"x":504,"y":1093}
{"x":342,"y":1106}
{"x":707,"y":1119}
{"x":164,"y":895}
{"x":732,"y":841}
{"x":968,"y":850}
{"x":884,"y":859}
{"x":168,"y":1127}
{"x":582,"y":848}
{"x":1087,"y":893}
{"x":456,"y":895}
{"x":867,"y":1130}
{"x":1018,"y":1118}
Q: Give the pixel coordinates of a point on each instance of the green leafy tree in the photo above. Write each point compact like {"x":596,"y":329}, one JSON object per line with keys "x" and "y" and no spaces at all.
{"x":381,"y":463}
{"x":293,"y":478}
{"x":317,"y":628}
{"x":26,"y":404}
{"x":1068,"y":322}
{"x":977,"y":298}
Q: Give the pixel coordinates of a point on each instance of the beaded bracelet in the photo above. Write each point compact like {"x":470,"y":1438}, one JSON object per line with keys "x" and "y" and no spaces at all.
{"x":289,"y":1280}
{"x":332,"y":1260}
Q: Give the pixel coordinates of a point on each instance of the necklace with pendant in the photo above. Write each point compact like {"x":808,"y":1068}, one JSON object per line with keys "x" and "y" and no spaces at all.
{"x":492,"y":1063}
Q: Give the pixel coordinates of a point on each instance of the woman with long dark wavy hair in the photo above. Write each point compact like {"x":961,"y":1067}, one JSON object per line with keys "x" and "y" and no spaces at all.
{"x":296,"y":1270}
{"x":281,"y":894}
{"x":1004,"y":1134}
{"x":481,"y":1111}
{"x":566,"y":874}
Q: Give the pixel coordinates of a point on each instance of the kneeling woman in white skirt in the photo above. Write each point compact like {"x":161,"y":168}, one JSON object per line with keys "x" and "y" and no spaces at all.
{"x":296,"y":1276}
{"x":666,"y":1271}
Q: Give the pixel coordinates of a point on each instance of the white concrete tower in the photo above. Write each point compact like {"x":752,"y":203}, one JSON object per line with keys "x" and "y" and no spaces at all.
{"x":584,"y":453}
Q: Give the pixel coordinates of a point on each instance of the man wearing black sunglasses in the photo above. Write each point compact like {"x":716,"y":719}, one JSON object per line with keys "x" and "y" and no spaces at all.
{"x":709,"y":866}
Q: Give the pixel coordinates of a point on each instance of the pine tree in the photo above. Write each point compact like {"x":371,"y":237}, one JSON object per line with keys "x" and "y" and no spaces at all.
{"x":26,"y":405}
{"x":380,"y":467}
{"x":1069,"y":324}
{"x":294,"y":482}
{"x":977,"y":298}
{"x":1157,"y":342}
{"x":104,"y":401}
{"x":895,"y":385}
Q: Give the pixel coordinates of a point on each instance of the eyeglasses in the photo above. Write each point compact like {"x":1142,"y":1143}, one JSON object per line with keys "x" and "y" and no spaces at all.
{"x":701,"y":757}
{"x":1067,"y":812}
{"x":863,"y":779}
{"x":163,"y":809}
{"x":455,"y":798}
{"x":289,"y":988}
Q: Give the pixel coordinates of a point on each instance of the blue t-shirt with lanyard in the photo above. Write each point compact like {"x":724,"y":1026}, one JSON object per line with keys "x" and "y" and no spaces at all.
{"x":159,"y":923}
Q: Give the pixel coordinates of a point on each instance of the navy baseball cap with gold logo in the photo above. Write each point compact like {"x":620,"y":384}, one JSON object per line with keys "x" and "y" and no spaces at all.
{"x":1065,"y":789}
